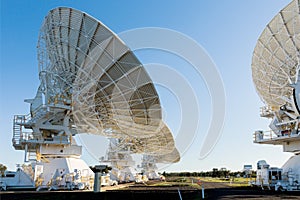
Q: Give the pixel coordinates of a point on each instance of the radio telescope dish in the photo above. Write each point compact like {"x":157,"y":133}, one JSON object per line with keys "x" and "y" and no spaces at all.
{"x":90,"y":82}
{"x":159,"y":144}
{"x":275,"y":73}
{"x":111,"y":89}
{"x":172,"y":157}
{"x":275,"y":62}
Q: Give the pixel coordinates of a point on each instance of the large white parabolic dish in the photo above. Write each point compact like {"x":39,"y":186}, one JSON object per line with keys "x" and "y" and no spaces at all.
{"x":110,"y":92}
{"x":275,"y":62}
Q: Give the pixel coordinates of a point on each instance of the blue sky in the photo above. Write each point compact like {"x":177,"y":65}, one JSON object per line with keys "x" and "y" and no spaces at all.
{"x":227,"y":30}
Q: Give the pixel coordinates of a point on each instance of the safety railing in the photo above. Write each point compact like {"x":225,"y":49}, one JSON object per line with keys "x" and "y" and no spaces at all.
{"x":264,"y":135}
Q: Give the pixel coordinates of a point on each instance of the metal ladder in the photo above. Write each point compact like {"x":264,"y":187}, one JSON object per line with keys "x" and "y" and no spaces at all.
{"x":17,"y":130}
{"x":32,"y":156}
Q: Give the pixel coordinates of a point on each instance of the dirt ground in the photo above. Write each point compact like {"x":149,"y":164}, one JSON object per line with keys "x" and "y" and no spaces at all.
{"x":212,"y":190}
{"x":223,"y":191}
{"x":215,"y":190}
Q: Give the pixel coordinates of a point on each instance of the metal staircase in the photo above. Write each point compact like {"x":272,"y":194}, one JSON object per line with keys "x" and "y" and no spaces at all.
{"x":21,"y":135}
{"x":22,"y":123}
{"x":17,"y":131}
{"x":32,"y":156}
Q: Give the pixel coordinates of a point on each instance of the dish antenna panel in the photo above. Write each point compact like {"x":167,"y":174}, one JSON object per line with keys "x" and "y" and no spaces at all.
{"x":90,"y":82}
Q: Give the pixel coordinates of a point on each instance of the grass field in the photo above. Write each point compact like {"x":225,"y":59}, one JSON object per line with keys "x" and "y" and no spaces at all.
{"x":196,"y":181}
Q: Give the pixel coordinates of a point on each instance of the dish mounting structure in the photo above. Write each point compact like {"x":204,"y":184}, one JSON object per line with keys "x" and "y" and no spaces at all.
{"x":90,"y":82}
{"x":275,"y":73}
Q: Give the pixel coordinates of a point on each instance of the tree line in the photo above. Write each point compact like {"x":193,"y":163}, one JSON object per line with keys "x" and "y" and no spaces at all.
{"x":215,"y":173}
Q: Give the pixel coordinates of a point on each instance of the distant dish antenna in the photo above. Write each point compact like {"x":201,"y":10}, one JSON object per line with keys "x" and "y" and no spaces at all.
{"x":275,"y":73}
{"x":91,"y":83}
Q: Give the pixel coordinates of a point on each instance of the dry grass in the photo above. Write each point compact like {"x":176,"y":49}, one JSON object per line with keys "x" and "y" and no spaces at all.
{"x":193,"y":181}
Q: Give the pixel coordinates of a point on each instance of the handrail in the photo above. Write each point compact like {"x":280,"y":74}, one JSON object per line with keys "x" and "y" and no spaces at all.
{"x":23,"y":119}
{"x":270,"y":135}
{"x":264,"y":135}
